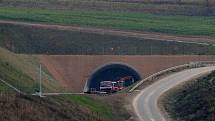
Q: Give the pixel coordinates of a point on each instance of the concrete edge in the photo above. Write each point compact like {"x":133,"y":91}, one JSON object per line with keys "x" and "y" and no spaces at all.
{"x":188,"y":65}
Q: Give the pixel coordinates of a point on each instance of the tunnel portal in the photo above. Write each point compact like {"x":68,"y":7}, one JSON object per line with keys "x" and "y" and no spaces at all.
{"x":111,"y":72}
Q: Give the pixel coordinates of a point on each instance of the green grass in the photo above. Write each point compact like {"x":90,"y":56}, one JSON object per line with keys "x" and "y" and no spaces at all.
{"x":15,"y":77}
{"x":49,"y":108}
{"x":5,"y":89}
{"x":22,"y":72}
{"x":93,"y":105}
{"x":31,"y":108}
{"x":184,"y":25}
{"x":192,"y":101}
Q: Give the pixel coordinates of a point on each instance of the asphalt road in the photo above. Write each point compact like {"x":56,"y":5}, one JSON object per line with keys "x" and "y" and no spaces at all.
{"x":145,"y":103}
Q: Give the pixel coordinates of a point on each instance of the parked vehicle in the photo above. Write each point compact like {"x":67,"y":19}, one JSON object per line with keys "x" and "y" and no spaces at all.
{"x":106,"y":86}
{"x":114,"y":86}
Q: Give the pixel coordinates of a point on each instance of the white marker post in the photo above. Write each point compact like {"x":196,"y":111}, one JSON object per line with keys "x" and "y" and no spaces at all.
{"x":40,"y":93}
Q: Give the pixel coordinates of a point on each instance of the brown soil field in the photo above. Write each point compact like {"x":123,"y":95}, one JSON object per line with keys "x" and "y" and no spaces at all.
{"x":73,"y":70}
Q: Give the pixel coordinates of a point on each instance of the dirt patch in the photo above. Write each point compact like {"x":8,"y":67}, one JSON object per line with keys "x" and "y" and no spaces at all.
{"x":73,"y":70}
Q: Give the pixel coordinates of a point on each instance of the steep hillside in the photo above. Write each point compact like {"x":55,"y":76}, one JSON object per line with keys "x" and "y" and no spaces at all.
{"x":192,"y":101}
{"x":15,"y":107}
{"x":22,"y":71}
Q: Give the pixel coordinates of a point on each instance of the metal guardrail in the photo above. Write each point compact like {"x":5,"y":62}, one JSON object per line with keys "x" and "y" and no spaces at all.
{"x":189,"y":65}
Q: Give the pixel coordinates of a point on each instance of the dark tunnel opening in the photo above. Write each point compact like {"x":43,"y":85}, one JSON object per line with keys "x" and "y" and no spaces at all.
{"x":111,"y":72}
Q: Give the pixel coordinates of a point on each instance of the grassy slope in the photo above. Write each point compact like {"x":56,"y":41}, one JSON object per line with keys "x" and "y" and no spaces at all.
{"x":192,"y":101}
{"x":17,"y":71}
{"x":15,"y":77}
{"x":5,"y":89}
{"x":118,"y":20}
{"x":85,"y":101}
{"x":22,"y":71}
{"x":31,"y":108}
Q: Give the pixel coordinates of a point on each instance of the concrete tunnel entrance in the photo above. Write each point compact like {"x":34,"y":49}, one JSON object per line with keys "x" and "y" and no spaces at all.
{"x":111,"y":72}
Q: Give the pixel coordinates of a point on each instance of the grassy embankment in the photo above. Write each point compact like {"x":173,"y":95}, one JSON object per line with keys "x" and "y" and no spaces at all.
{"x":19,"y":70}
{"x":183,"y":25}
{"x":22,"y":71}
{"x":55,"y":108}
{"x":192,"y":101}
{"x":99,"y":108}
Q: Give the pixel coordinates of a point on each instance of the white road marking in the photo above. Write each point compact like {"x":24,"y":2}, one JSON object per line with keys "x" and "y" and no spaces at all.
{"x":145,"y":103}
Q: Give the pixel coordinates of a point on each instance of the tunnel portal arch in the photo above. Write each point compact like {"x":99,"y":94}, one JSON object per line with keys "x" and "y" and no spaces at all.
{"x":109,"y":72}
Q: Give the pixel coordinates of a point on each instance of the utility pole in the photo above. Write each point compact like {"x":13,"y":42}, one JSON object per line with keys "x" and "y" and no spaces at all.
{"x":40,"y":93}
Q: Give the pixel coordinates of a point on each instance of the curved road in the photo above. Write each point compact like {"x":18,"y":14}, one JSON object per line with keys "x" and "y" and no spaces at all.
{"x":145,"y":103}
